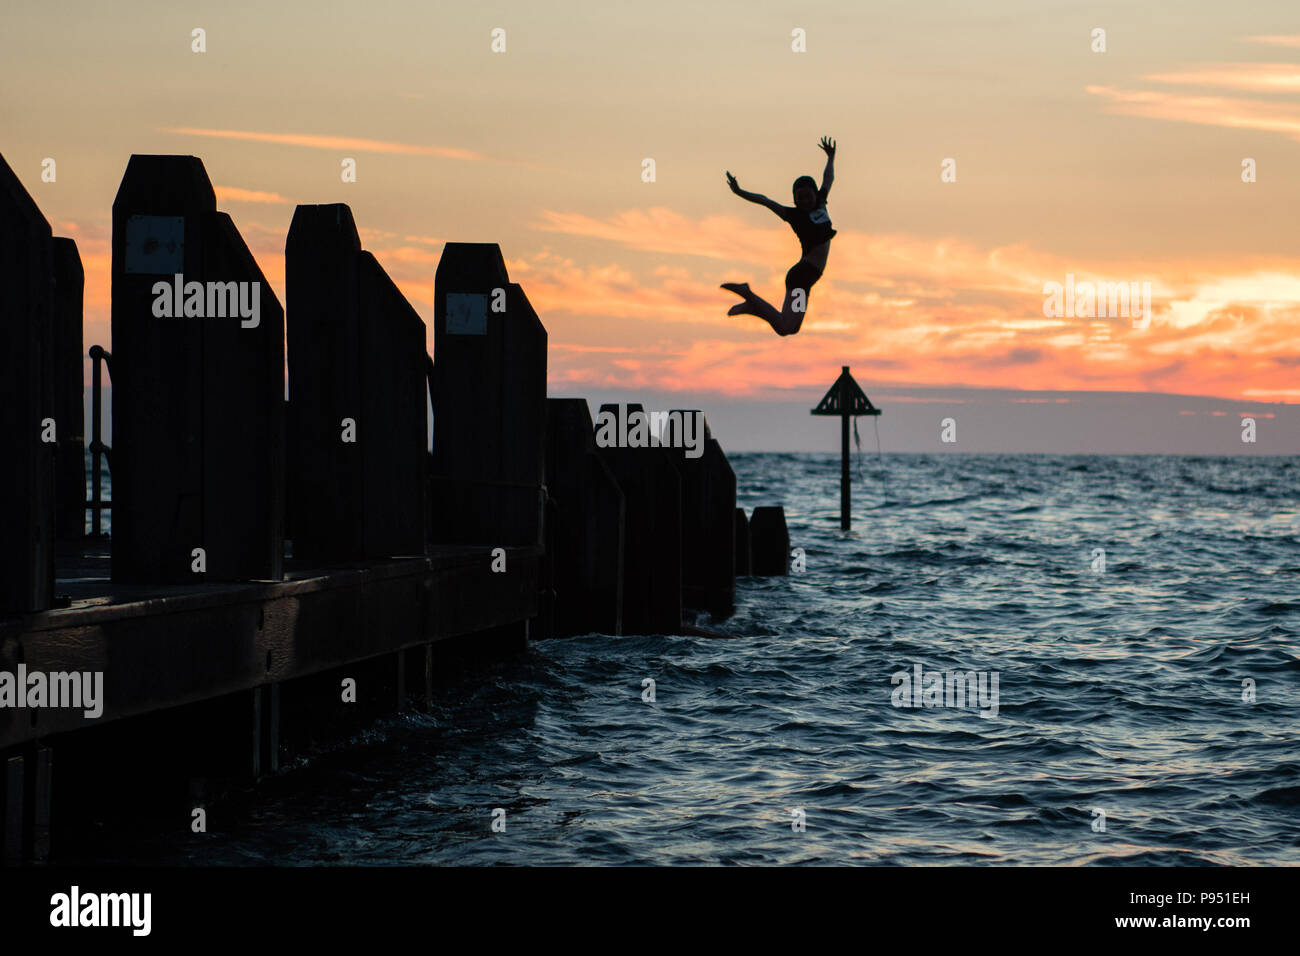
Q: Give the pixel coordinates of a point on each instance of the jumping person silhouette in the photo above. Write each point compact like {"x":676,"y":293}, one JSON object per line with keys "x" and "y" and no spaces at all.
{"x":811,"y":223}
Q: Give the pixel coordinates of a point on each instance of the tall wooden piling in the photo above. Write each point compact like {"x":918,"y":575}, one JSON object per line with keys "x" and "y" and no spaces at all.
{"x":744,"y":553}
{"x":708,"y":515}
{"x":585,"y":539}
{"x":652,"y":577}
{"x":358,"y":425}
{"x":198,"y":400}
{"x":770,"y":541}
{"x":69,"y":392}
{"x":27,"y":307}
{"x":13,"y":808}
{"x":489,"y":403}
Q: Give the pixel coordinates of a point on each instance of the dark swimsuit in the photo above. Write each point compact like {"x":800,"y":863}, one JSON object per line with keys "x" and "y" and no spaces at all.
{"x":813,"y":227}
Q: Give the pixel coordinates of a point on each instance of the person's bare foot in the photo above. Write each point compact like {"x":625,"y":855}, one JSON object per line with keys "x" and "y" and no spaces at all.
{"x":740,"y":288}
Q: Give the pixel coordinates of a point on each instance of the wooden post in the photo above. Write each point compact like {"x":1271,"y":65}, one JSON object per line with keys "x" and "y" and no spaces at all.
{"x":585,"y":541}
{"x":652,"y":532}
{"x":708,"y":516}
{"x":356,"y":355}
{"x":68,"y":390}
{"x":489,"y":403}
{"x":770,"y":541}
{"x":27,"y":505}
{"x":11,"y":802}
{"x":268,"y":726}
{"x":744,"y":563}
{"x":198,"y":398}
{"x":40,"y":793}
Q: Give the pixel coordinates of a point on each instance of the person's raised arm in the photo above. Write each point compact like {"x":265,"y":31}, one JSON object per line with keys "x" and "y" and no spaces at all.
{"x":828,"y":146}
{"x":752,"y":197}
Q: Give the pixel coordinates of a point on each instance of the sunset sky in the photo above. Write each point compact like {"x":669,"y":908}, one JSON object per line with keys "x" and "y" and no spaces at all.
{"x":1121,"y":166}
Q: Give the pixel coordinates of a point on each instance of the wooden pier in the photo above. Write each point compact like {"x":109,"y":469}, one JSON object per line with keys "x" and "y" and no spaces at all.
{"x":266,"y":553}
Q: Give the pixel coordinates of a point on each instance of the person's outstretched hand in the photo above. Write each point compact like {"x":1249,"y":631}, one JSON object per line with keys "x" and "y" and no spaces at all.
{"x":828,"y":145}
{"x":731,"y":182}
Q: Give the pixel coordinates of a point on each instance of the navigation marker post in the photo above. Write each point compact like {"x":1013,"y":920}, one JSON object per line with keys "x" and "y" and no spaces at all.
{"x":845,"y":399}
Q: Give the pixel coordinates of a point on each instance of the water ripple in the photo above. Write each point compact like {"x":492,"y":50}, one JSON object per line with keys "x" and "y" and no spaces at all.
{"x":1125,"y":693}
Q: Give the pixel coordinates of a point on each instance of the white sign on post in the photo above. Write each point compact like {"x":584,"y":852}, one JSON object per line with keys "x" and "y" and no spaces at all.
{"x":155,"y":245}
{"x":466,"y":313}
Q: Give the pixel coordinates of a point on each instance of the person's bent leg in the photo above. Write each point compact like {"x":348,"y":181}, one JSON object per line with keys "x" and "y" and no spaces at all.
{"x":790,"y":320}
{"x":798,"y":284}
{"x":754,"y":305}
{"x":766,"y":312}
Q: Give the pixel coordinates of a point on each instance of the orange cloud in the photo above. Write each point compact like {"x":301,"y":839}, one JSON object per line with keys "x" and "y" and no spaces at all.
{"x":1233,"y":113}
{"x":1292,"y":40}
{"x":664,"y":230}
{"x":335,"y":143}
{"x":903,"y":309}
{"x":907,"y":310}
{"x":1215,"y":110}
{"x":235,"y":194}
{"x":1254,"y":77}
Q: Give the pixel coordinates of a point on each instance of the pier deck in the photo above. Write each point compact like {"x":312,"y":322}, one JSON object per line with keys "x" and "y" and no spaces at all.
{"x":160,"y":647}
